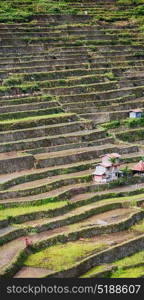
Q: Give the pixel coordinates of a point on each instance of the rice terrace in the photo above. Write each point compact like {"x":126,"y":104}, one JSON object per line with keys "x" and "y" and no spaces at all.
{"x":72,"y":138}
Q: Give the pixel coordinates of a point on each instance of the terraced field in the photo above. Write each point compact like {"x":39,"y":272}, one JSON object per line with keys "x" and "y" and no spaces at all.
{"x":68,"y":79}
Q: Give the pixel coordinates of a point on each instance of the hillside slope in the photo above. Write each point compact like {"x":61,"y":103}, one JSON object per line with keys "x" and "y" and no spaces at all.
{"x":70,"y":72}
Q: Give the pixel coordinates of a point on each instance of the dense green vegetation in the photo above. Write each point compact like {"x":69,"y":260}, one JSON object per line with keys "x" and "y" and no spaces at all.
{"x":130,"y":267}
{"x":8,"y":213}
{"x":93,"y":271}
{"x":135,"y":272}
{"x":139,"y":228}
{"x":128,"y":123}
{"x":131,"y":260}
{"x":14,"y":11}
{"x":24,"y":11}
{"x":129,"y":2}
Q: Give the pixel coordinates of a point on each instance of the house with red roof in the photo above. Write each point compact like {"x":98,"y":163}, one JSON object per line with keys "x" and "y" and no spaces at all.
{"x":138,"y":168}
{"x":107,"y":159}
{"x":108,"y":169}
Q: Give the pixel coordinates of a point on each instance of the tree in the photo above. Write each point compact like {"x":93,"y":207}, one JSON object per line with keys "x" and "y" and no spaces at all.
{"x":113,"y":161}
{"x":127,"y":172}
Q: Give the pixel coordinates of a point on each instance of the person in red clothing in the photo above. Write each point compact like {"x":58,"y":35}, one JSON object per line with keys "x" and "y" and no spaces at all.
{"x":28,"y":242}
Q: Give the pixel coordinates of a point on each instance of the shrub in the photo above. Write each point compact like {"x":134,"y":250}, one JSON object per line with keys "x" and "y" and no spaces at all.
{"x":132,"y":123}
{"x":110,"y":75}
{"x":112,"y":125}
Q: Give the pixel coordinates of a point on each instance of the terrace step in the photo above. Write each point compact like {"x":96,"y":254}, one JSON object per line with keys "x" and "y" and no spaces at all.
{"x":123,"y":150}
{"x":137,"y":134}
{"x":72,"y":29}
{"x":88,"y":214}
{"x":44,"y":47}
{"x":107,"y":211}
{"x":29,"y":122}
{"x":45,"y":185}
{"x":105,"y":117}
{"x":105,"y":39}
{"x":61,"y":72}
{"x":93,"y":79}
{"x":13,"y":50}
{"x":94,"y":87}
{"x":43,"y":57}
{"x":34,"y":174}
{"x":53,"y":62}
{"x":89,"y":64}
{"x":110,"y":239}
{"x":13,"y":162}
{"x":72,"y":192}
{"x":69,"y":156}
{"x":91,"y":108}
{"x":104,"y":95}
{"x":26,"y":107}
{"x":46,"y":65}
{"x":65,"y":54}
{"x":89,"y":81}
{"x":28,"y":272}
{"x":9,"y":250}
{"x":131,"y":246}
{"x":50,"y":132}
{"x":39,"y":198}
{"x":53,"y":36}
{"x":81,"y":88}
{"x":31,"y":113}
{"x":57,"y":143}
{"x":8,"y":180}
{"x":26,"y":100}
{"x":88,"y":143}
{"x":6,"y":230}
{"x":115,"y":102}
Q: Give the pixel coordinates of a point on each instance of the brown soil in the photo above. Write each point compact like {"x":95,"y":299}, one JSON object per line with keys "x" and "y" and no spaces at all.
{"x":30,"y":272}
{"x":9,"y":155}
